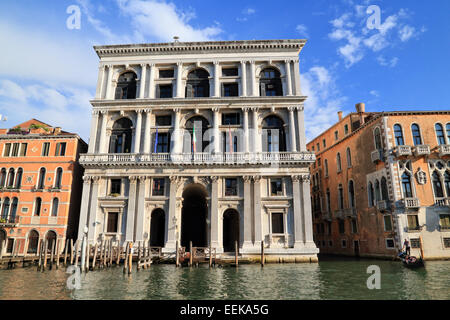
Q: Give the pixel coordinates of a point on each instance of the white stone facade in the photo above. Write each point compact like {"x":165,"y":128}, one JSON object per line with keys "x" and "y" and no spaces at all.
{"x":260,"y":175}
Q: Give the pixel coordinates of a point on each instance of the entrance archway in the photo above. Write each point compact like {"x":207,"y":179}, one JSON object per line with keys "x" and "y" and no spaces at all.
{"x":230,"y":230}
{"x":157,"y":226}
{"x":33,"y":241}
{"x":2,"y":239}
{"x":51,"y":238}
{"x":193,"y":217}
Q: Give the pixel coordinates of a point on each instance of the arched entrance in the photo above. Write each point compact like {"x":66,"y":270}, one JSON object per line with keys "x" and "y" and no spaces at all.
{"x":157,"y":226}
{"x":230,"y":230}
{"x":193,"y":217}
{"x":33,"y":241}
{"x":51,"y":238}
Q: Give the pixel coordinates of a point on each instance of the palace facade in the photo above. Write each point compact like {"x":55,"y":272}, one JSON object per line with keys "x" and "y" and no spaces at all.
{"x":381,"y":178}
{"x":201,"y":142}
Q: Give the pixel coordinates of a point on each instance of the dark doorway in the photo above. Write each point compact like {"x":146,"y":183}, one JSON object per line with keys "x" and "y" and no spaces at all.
{"x":2,"y":239}
{"x":193,"y":217}
{"x":230,"y":230}
{"x":33,"y":240}
{"x":356,"y":246}
{"x":157,"y":226}
{"x":51,"y":239}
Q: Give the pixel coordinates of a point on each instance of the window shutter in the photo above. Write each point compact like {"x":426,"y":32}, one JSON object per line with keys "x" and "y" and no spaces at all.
{"x":262,"y":87}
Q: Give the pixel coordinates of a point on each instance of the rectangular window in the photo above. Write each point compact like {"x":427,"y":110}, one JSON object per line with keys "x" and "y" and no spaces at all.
{"x":415,"y":243}
{"x":7,"y":149}
{"x":166,"y":73}
{"x":346,"y":129}
{"x":231,"y":187}
{"x":276,"y":187}
{"x":15,"y":150}
{"x":116,"y":186}
{"x":341,"y":226}
{"x":344,"y":243}
{"x":229,"y":72}
{"x":387,"y":223}
{"x":23,"y":149}
{"x":163,"y":145}
{"x":445,"y":221}
{"x":231,"y":118}
{"x":446,"y":242}
{"x":158,"y":187}
{"x":324,"y":143}
{"x":336,"y":135}
{"x":45,"y":149}
{"x":10,"y":246}
{"x":60,"y":149}
{"x":277,"y":222}
{"x":354,"y":226}
{"x":113,"y":219}
{"x":318,"y":147}
{"x":162,"y":121}
{"x":413,"y":222}
{"x":390,"y":243}
{"x":165,"y":91}
{"x":330,"y":243}
{"x":230,"y":90}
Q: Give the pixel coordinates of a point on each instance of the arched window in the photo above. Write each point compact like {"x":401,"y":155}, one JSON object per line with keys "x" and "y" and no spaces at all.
{"x":273,"y":132}
{"x":437,"y":185}
{"x":377,"y":137}
{"x":51,"y":239}
{"x":341,"y":196}
{"x":371,"y":194}
{"x":406,"y":185}
{"x":398,"y":133}
{"x":447,"y":183}
{"x":55,"y":205}
{"x":439,"y":133}
{"x":19,"y":178}
{"x":5,"y":209}
{"x":197,"y":84}
{"x":41,"y":183}
{"x":351,"y":194}
{"x":58,"y":178}
{"x":326,"y":167}
{"x":349,"y":158}
{"x":37,"y":206}
{"x":12,"y":215}
{"x":338,"y":162}
{"x":416,"y":134}
{"x":377,"y":191}
{"x":33,"y":241}
{"x":384,"y":189}
{"x":197,"y":126}
{"x":328,"y":200}
{"x":3,"y":177}
{"x":270,"y":83}
{"x":121,"y":138}
{"x":11,"y":177}
{"x":126,"y":86}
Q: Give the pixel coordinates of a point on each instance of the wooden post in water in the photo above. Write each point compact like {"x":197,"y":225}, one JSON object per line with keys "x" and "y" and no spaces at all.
{"x":39,"y":250}
{"x":57,"y":253}
{"x":65,"y":252}
{"x":111,"y":253}
{"x":105,"y":252}
{"x":119,"y":252}
{"x":421,"y":248}
{"x":77,"y":252}
{"x":139,"y":256}
{"x":210,"y":255}
{"x":45,"y":254}
{"x":71,"y":251}
{"x":125,"y":262}
{"x":190,"y":254}
{"x":130,"y":258}
{"x":177,"y":255}
{"x":88,"y":256}
{"x":94,"y":258}
{"x":262,"y":253}
{"x":236,"y":253}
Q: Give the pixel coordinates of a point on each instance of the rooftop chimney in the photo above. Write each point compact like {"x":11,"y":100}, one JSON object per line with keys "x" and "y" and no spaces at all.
{"x":340,"y":115}
{"x":57,"y":130}
{"x":360,"y":107}
{"x":176,"y":39}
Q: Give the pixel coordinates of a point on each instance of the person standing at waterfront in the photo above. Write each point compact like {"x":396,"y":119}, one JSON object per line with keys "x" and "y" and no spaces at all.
{"x":406,"y":247}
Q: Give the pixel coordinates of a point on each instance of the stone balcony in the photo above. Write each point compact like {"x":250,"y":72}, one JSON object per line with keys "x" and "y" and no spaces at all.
{"x":339,"y":214}
{"x":444,"y":150}
{"x":412,"y":203}
{"x":377,"y":155}
{"x":350,"y":212}
{"x":402,"y":151}
{"x":442,"y":202}
{"x":9,"y":222}
{"x":382,"y":205}
{"x":226,"y":159}
{"x":326,"y":215}
{"x":421,"y":150}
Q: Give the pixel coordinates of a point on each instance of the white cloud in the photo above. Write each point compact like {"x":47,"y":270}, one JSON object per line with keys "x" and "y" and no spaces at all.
{"x":302,"y":29}
{"x":249,"y":11}
{"x":162,"y":21}
{"x":387,"y":63}
{"x":374,"y":93}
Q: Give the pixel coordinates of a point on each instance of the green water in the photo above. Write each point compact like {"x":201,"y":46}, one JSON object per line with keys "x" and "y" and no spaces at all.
{"x":329,"y":279}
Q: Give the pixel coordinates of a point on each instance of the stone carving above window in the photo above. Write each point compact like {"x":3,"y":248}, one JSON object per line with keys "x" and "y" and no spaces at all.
{"x":421,"y":176}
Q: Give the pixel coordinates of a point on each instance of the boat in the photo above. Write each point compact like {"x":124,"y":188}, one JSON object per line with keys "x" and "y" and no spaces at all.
{"x":411,"y":261}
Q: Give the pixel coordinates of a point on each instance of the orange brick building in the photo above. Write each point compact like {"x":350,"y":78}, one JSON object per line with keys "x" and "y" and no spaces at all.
{"x":381,"y":178}
{"x":40,"y":186}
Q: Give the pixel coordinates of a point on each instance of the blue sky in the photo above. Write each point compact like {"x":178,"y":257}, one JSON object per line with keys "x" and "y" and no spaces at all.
{"x":49,"y":72}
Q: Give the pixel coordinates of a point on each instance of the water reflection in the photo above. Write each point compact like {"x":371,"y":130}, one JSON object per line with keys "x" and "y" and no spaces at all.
{"x":330,"y":279}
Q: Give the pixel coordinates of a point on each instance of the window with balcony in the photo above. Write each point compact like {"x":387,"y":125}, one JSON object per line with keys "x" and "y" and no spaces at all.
{"x":444,"y":220}
{"x":37,"y":206}
{"x":41,"y":182}
{"x":162,"y":141}
{"x":440,"y":133}
{"x":121,"y":136}
{"x":371,"y":195}
{"x":417,"y":138}
{"x":158,"y":187}
{"x":341,"y":224}
{"x":270,"y":83}
{"x":341,"y":197}
{"x":406,"y":185}
{"x":197,"y":85}
{"x":377,"y":191}
{"x":45,"y":149}
{"x":276,"y":187}
{"x":55,"y":205}
{"x":398,"y":133}
{"x":351,"y":194}
{"x":113,"y":220}
{"x":384,"y":189}
{"x":166,"y":73}
{"x":277,"y":222}
{"x":231,"y":187}
{"x":116,"y":185}
{"x":58,"y":179}
{"x":387,"y":223}
{"x":273,"y":134}
{"x":126,"y":86}
{"x":60,"y":149}
{"x":377,"y":138}
{"x":437,"y":185}
{"x":230,"y":90}
{"x":413,"y":222}
{"x":233,"y":118}
{"x":229,"y":72}
{"x":230,"y":142}
{"x":164,"y":91}
{"x":197,"y":126}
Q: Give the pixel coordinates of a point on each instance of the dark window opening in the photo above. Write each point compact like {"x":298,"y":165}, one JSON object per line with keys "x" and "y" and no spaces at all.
{"x":231,"y":118}
{"x":270,"y":83}
{"x":164,"y":91}
{"x":166,"y":73}
{"x":163,"y":120}
{"x":276,"y":187}
{"x":277,"y":222}
{"x":162,"y":142}
{"x":229,"y":72}
{"x":126,"y":86}
{"x":116,"y":185}
{"x":158,"y":187}
{"x":230,"y":90}
{"x":197,"y":85}
{"x":113,"y":219}
{"x":231,"y":187}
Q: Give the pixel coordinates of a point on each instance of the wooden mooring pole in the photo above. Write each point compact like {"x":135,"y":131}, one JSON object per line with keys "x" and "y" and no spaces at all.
{"x":45,"y":254}
{"x":236,"y":253}
{"x":210,"y":255}
{"x":190,"y":254}
{"x":130,"y":259}
{"x":65,"y":252}
{"x":139,"y":256}
{"x":125,"y":262}
{"x":71,"y":251}
{"x":119,"y":252}
{"x":57,"y":253}
{"x":262,"y":253}
{"x":177,"y":255}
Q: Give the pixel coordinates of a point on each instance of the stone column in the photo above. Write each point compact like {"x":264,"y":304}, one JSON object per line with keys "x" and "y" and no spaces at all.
{"x":131,"y":210}
{"x":93,"y":134}
{"x":298,"y":213}
{"x":103,"y":143}
{"x":288,"y":77}
{"x":215,"y":241}
{"x":151,"y":85}
{"x":109,"y":82}
{"x":179,"y":80}
{"x":138,"y":132}
{"x":298,"y":90}
{"x":216,"y":79}
{"x":253,"y":79}
{"x":143,"y":80}
{"x":246,"y":141}
{"x":216,"y":130}
{"x":140,"y":209}
{"x":255,"y":129}
{"x":244,"y":78}
{"x":257,"y":215}
{"x":171,"y":226}
{"x":177,"y":136}
{"x":306,"y":211}
{"x":100,"y":81}
{"x":247,"y":221}
{"x":301,"y":128}
{"x":93,"y":209}
{"x":147,"y":131}
{"x":84,"y":210}
{"x":292,"y":129}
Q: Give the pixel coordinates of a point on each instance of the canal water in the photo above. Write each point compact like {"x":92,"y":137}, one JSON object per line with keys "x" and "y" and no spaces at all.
{"x":329,"y":279}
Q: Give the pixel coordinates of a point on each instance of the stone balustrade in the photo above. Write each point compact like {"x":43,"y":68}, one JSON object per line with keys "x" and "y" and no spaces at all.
{"x":377,"y":155}
{"x":411,"y":202}
{"x":421,"y":150}
{"x":444,"y":150}
{"x":403,"y":151}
